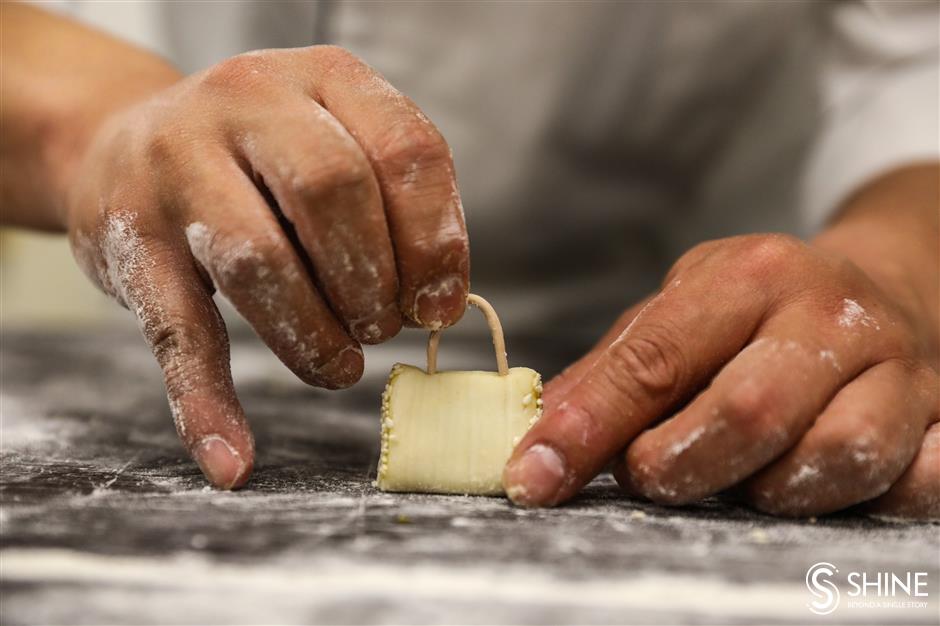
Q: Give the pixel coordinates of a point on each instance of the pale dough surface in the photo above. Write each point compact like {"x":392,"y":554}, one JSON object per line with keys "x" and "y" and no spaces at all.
{"x":452,"y":432}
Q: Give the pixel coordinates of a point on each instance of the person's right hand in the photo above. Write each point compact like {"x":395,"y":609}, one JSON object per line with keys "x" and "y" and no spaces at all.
{"x":317,"y":198}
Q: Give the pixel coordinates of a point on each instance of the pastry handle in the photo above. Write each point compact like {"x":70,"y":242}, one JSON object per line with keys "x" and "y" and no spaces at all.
{"x":496,"y":330}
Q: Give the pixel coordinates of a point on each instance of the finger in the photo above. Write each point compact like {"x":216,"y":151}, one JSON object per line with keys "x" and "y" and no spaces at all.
{"x":755,"y":409}
{"x":325,"y":187}
{"x":558,"y":387}
{"x":181,"y":324}
{"x":237,"y":239}
{"x":916,"y":494}
{"x":857,"y":448}
{"x":671,"y":348}
{"x":415,"y":171}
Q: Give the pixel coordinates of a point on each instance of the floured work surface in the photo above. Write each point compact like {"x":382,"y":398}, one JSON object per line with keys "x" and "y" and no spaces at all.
{"x":105,"y":521}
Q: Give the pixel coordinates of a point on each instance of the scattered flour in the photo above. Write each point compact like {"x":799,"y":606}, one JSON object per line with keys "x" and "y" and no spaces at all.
{"x":854,"y":314}
{"x":830,"y":356}
{"x":464,"y":522}
{"x":427,"y":584}
{"x":626,"y":331}
{"x":805,"y":473}
{"x":226,"y":264}
{"x":410,"y":176}
{"x":684,"y":444}
{"x":444,"y":288}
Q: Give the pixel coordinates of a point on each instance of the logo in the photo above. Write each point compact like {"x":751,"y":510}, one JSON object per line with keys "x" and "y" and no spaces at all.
{"x":866,"y":589}
{"x":825,"y":592}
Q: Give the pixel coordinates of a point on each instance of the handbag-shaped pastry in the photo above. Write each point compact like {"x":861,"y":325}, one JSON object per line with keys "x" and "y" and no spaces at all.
{"x":452,"y":432}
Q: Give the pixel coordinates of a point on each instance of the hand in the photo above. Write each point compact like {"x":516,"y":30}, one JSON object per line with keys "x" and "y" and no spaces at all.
{"x":319,"y":200}
{"x":762,"y":362}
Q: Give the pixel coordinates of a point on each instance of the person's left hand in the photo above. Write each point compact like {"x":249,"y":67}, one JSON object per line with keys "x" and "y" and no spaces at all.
{"x":792,"y":372}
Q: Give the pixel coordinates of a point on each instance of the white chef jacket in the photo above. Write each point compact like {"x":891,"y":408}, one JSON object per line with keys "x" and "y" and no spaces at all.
{"x":596,"y":141}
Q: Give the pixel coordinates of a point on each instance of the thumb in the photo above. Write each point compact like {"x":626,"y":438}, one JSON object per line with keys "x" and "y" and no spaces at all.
{"x":669,"y":349}
{"x":558,"y":387}
{"x":186,"y":333}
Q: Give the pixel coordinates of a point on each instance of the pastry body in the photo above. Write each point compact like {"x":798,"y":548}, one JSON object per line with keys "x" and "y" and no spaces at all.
{"x":452,"y":432}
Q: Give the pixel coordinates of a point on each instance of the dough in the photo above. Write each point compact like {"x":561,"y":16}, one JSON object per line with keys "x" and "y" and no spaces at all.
{"x":452,"y":432}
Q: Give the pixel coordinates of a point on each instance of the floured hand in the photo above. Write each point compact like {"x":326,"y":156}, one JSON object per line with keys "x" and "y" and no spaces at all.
{"x":765,"y":363}
{"x":176,"y":196}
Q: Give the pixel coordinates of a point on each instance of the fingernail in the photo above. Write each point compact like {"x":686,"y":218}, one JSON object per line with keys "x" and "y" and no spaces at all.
{"x":440,"y":303}
{"x":219,"y":461}
{"x":342,"y":370}
{"x":535,"y":478}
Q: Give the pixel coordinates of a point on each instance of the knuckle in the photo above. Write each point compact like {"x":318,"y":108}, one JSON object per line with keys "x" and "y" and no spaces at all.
{"x":240,"y":264}
{"x":409,"y":146}
{"x":341,"y":172}
{"x":332,"y":57}
{"x":690,"y":258}
{"x":765,"y":255}
{"x":651,"y":361}
{"x":240,"y":72}
{"x":162,"y":146}
{"x":749,"y":408}
{"x":176,"y":342}
{"x":174,"y":153}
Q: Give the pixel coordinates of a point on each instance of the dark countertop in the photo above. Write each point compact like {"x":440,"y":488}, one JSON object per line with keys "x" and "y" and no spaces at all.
{"x":104,"y":519}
